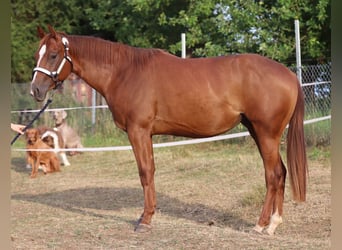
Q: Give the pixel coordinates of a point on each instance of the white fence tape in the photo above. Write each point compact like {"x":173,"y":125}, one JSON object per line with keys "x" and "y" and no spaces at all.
{"x":165,"y":144}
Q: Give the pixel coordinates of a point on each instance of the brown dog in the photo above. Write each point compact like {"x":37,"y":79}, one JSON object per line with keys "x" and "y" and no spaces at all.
{"x":36,"y":158}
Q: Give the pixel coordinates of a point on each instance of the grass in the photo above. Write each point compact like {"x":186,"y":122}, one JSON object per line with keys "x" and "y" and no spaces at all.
{"x":318,"y":134}
{"x":209,"y":197}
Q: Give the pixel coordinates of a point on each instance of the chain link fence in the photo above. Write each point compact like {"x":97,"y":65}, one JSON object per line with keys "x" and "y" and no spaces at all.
{"x":316,"y":82}
{"x":316,"y":85}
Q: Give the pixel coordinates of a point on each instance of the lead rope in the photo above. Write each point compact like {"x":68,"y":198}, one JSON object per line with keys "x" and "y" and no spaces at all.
{"x":36,"y":116}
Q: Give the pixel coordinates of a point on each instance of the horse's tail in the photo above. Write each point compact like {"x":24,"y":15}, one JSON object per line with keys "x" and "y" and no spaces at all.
{"x":296,"y":152}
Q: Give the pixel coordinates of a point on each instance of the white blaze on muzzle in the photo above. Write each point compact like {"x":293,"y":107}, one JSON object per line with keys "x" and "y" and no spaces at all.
{"x":41,"y":54}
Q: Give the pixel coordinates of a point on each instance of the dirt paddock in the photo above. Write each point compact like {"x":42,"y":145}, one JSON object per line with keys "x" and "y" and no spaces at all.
{"x":209,"y":197}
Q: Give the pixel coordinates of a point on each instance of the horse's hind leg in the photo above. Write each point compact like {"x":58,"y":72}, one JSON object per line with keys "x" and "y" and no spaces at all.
{"x":279,"y":200}
{"x":275,"y":174}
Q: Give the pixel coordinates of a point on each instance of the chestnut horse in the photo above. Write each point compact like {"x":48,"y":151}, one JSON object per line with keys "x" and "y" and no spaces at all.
{"x":150,"y":91}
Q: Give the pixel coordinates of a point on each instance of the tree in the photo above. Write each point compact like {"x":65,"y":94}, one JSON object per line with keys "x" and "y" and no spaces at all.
{"x":26,"y":16}
{"x":314,"y":17}
{"x":212,"y":27}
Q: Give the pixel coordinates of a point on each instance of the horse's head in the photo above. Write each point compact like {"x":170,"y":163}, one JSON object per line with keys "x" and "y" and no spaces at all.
{"x":53,"y":63}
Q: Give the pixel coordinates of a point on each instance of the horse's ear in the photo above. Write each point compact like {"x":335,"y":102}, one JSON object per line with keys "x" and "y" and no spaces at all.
{"x":40,"y":32}
{"x":52,"y":31}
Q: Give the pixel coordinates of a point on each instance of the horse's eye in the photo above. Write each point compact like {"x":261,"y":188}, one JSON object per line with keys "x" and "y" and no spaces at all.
{"x":53,"y":56}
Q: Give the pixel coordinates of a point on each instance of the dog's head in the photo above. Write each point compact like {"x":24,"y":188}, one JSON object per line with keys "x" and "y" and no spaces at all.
{"x":59,"y":117}
{"x":32,"y":135}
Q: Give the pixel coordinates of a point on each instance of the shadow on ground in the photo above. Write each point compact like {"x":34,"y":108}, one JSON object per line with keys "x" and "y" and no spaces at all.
{"x":19,"y":164}
{"x":80,"y":200}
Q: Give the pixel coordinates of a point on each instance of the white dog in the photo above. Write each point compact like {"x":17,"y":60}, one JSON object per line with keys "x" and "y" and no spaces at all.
{"x":69,"y":135}
{"x":57,"y":142}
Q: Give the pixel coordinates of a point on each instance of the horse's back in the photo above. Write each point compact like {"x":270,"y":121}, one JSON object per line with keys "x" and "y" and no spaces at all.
{"x":238,"y":81}
{"x":224,"y":72}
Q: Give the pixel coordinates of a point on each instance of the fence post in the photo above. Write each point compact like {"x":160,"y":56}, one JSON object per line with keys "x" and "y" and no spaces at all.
{"x":298,"y":53}
{"x":183,"y":45}
{"x":93,"y":109}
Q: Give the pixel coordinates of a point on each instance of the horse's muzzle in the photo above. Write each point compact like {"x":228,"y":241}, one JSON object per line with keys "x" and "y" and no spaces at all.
{"x":39,"y":94}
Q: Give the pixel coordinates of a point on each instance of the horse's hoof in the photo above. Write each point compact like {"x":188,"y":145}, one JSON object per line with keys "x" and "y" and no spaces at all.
{"x":258,"y":229}
{"x":142,"y":228}
{"x":270,"y":232}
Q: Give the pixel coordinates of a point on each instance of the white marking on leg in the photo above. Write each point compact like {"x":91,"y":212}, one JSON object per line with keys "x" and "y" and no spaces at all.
{"x":42,"y":52}
{"x":276,"y":220}
{"x":258,"y":228}
{"x":64,"y":159}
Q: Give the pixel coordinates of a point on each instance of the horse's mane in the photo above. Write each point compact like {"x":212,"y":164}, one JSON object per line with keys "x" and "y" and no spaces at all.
{"x":103,"y":51}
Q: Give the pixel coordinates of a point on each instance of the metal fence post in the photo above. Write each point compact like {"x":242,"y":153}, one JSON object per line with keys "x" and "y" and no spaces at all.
{"x":298,"y":53}
{"x":183,"y":45}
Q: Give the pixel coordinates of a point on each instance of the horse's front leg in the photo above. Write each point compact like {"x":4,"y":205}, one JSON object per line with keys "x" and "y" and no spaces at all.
{"x":141,"y":142}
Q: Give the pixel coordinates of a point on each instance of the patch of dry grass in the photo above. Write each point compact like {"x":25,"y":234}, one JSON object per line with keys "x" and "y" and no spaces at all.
{"x":209,"y":197}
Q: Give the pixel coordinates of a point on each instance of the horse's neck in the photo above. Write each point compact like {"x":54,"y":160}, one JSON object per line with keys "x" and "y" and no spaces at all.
{"x":92,"y":61}
{"x":102,"y":63}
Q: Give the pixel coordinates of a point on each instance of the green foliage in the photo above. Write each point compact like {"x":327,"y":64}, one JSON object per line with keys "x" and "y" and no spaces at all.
{"x":26,"y":15}
{"x":212,"y":27}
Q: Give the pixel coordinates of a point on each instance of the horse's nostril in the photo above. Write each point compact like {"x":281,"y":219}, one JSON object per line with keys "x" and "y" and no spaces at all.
{"x":36,"y":92}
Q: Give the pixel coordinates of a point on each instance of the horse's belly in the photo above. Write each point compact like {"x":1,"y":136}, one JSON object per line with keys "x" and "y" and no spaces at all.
{"x":197,"y":124}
